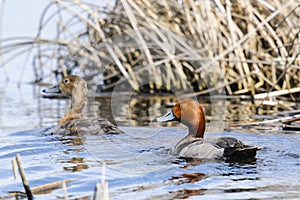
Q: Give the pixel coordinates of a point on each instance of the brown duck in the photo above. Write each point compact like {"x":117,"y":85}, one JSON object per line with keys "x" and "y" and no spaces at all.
{"x":73,"y":122}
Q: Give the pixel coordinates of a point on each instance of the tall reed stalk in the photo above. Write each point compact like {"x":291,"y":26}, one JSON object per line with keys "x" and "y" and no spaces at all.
{"x":246,"y":47}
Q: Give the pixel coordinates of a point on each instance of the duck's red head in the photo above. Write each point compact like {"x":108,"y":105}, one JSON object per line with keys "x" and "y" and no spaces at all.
{"x":188,"y":112}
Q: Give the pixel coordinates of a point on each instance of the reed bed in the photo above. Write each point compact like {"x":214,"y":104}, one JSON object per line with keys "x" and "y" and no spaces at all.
{"x":246,"y":47}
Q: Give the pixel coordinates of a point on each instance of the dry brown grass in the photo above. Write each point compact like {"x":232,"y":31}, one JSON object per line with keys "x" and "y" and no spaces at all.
{"x":246,"y":47}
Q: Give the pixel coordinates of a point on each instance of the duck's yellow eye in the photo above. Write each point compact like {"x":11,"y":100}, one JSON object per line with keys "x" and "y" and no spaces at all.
{"x":66,"y":81}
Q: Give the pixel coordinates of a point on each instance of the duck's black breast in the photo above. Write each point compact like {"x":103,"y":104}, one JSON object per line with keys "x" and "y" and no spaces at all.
{"x":89,"y":127}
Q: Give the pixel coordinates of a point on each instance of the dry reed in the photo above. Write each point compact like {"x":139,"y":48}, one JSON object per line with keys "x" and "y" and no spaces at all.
{"x":246,"y":47}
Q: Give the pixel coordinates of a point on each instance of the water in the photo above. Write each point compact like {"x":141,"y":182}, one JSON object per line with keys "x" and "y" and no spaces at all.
{"x":138,"y":163}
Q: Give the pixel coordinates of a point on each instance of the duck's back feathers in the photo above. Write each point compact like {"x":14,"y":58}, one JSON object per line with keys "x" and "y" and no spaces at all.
{"x":228,"y":142}
{"x":234,"y":148}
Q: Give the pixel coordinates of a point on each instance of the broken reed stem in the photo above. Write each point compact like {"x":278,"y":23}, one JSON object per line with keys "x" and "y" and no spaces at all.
{"x":277,"y":93}
{"x":64,"y":187}
{"x":104,"y":192}
{"x":24,"y":180}
{"x":104,"y":185}
{"x":97,"y":190}
{"x":101,"y":189}
{"x":103,"y":173}
{"x":14,"y":167}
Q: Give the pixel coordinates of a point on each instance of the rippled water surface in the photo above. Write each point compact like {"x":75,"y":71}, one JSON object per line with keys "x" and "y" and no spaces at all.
{"x":138,"y":163}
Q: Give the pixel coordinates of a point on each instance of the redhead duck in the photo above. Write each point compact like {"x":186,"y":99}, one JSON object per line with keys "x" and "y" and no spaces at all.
{"x":191,"y":114}
{"x":72,"y":122}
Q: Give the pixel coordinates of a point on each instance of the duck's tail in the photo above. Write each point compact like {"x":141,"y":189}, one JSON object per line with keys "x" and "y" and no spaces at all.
{"x":245,"y":152}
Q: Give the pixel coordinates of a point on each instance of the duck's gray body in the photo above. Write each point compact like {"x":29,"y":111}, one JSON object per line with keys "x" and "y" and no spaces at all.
{"x":211,"y":148}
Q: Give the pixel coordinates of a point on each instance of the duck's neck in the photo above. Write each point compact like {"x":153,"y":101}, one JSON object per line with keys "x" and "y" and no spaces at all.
{"x":197,"y":131}
{"x":77,"y":105}
{"x":197,"y":127}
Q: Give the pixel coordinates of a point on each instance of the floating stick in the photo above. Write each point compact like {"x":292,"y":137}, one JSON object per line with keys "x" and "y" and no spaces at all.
{"x":288,"y":127}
